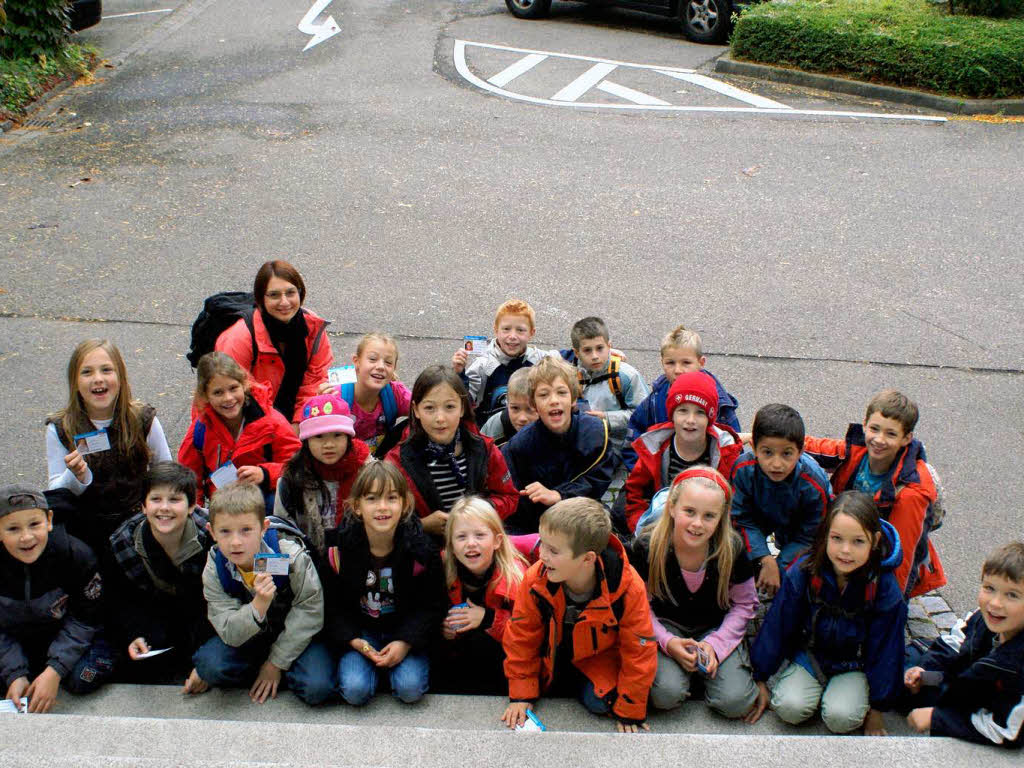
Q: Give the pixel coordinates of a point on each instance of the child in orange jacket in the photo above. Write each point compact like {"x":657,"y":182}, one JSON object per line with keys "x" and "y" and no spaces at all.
{"x":581,"y":622}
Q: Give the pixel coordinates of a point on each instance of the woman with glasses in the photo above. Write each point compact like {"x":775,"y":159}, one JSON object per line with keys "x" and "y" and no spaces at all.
{"x":293,"y":353}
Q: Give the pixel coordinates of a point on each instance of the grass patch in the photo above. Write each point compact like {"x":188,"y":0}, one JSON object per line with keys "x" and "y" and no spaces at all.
{"x":908,"y":43}
{"x":24,"y":80}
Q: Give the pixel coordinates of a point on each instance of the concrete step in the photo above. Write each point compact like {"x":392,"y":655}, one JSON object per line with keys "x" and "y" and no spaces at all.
{"x":156,"y":726}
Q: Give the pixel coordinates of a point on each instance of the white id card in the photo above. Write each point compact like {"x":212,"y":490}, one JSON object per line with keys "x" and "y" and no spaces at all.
{"x":224,"y":475}
{"x":7,"y":706}
{"x":475,"y":345}
{"x":95,"y":442}
{"x":155,"y":652}
{"x":342,"y":374}
{"x":274,"y":563}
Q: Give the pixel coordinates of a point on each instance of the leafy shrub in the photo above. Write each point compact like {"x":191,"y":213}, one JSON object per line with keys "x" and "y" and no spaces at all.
{"x":901,"y":42}
{"x":24,"y":80}
{"x":35,"y":28}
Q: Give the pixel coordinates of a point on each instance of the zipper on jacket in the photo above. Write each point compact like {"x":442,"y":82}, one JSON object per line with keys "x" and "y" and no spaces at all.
{"x":28,"y":584}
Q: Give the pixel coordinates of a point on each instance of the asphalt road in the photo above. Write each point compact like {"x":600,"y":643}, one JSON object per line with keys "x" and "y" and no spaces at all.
{"x":822,"y":257}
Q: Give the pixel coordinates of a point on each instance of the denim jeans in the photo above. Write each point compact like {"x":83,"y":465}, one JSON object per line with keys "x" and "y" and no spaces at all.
{"x":357,"y":675}
{"x":92,"y":670}
{"x":310,"y":677}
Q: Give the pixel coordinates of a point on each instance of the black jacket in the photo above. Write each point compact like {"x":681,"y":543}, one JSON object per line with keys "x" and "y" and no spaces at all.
{"x":56,"y":602}
{"x":420,"y":596}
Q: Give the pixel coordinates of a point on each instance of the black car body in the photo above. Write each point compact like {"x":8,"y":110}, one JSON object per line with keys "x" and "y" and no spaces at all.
{"x":85,"y":13}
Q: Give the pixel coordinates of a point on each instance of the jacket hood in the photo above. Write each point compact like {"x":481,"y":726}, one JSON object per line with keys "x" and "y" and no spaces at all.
{"x":895,"y":550}
{"x":906,"y":461}
{"x":613,"y":561}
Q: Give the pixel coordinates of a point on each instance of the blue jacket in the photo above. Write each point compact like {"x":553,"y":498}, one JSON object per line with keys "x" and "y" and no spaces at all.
{"x":579,"y":462}
{"x":982,"y":695}
{"x":860,"y":628}
{"x":652,"y":411}
{"x":791,"y":509}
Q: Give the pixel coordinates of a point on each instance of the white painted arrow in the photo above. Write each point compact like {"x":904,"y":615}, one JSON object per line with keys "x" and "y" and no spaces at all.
{"x":320,"y":32}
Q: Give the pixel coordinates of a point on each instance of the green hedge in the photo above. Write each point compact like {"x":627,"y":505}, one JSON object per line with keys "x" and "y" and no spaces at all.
{"x":35,"y":28}
{"x":907,"y":43}
{"x":24,"y":80}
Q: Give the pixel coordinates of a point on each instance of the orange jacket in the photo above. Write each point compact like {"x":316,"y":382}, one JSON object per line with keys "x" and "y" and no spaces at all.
{"x":269,"y":367}
{"x":613,"y":642}
{"x":903,"y":500}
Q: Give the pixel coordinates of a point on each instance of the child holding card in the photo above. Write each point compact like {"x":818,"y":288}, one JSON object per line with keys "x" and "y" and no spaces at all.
{"x":154,"y":589}
{"x":379,"y":402}
{"x":237,"y":435}
{"x":318,"y":479}
{"x":99,"y":445}
{"x":267,"y":613}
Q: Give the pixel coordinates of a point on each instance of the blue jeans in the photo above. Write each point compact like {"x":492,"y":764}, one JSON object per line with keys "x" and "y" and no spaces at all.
{"x":310,"y":677}
{"x":93,"y":669}
{"x":357,"y":675}
{"x":589,"y":699}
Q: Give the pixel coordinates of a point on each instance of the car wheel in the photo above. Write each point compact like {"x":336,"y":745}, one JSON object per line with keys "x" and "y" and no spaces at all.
{"x":529,"y":9}
{"x":704,"y":21}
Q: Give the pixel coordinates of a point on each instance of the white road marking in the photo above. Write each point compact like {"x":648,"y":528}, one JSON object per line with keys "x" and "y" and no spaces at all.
{"x":462,"y":67}
{"x":725,"y":89}
{"x":135,"y":13}
{"x":510,"y":73}
{"x":584,"y":82}
{"x":320,"y":32}
{"x":629,"y":94}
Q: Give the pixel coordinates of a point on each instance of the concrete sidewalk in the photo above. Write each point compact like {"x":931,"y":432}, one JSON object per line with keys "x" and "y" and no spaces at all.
{"x":158,"y":726}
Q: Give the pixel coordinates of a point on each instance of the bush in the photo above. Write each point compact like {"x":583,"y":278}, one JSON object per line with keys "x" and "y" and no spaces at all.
{"x":901,"y":42}
{"x":24,"y":80}
{"x":995,"y":8}
{"x":35,"y":28}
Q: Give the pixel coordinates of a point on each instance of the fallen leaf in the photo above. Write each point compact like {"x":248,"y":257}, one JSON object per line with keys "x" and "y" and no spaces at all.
{"x":752,"y":170}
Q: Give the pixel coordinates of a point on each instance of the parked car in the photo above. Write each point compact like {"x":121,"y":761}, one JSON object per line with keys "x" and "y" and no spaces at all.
{"x":85,"y":13}
{"x":703,"y":21}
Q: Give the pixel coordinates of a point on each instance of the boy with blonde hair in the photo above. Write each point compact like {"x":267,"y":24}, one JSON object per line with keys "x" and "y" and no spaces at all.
{"x":682,"y":351}
{"x":581,"y":623}
{"x":487,"y":376}
{"x":564,"y":453}
{"x":518,"y":411}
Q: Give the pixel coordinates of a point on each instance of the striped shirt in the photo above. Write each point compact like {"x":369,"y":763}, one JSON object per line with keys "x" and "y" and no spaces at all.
{"x":677,"y":463}
{"x":445,"y":481}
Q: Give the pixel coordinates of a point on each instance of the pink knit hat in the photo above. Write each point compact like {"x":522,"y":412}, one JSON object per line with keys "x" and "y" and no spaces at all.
{"x":325,"y":413}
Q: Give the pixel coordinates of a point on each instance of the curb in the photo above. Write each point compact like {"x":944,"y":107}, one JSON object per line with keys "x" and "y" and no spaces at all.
{"x":729,"y":66}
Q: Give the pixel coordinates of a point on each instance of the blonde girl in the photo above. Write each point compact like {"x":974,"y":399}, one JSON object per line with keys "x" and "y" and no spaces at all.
{"x":377,"y":399}
{"x":702,"y":595}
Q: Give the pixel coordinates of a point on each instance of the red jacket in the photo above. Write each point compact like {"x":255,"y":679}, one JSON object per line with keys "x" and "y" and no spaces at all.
{"x":500,"y":595}
{"x":903,"y":500}
{"x":236,"y":342}
{"x":613,"y":642}
{"x":487,"y":473}
{"x":267,"y":441}
{"x":650,"y":472}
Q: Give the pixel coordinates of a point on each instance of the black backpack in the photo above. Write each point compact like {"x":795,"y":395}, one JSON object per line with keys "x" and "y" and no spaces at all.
{"x":220,"y":312}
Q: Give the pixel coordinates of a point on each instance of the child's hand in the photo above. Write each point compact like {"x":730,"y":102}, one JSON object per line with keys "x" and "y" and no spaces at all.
{"x":618,"y":353}
{"x":250,"y":475}
{"x":136,"y":648}
{"x":435,"y":522}
{"x":747,"y":438}
{"x":391,"y":655}
{"x":622,"y":727}
{"x":264,"y":589}
{"x":266,"y":683}
{"x":76,"y":463}
{"x":912,"y":679}
{"x":16,"y":690}
{"x":874,"y":725}
{"x":326,"y":388}
{"x":920,"y":719}
{"x":712,"y":665}
{"x":366,"y":649}
{"x":459,"y":360}
{"x":195,"y":684}
{"x":465,"y":619}
{"x":684,"y":651}
{"x":42,"y":693}
{"x":515,"y":713}
{"x":599,"y":414}
{"x":769,"y":580}
{"x":764,"y":696}
{"x":446,"y":631}
{"x":538,"y":494}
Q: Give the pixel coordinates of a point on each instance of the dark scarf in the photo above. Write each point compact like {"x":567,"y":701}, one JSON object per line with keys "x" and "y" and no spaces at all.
{"x":438,"y":452}
{"x":290,"y":341}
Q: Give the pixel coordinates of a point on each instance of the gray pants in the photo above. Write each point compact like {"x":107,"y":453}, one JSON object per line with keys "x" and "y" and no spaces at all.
{"x":731,"y":692}
{"x":844,"y":699}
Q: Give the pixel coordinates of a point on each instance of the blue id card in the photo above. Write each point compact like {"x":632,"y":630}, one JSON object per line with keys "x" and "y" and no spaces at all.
{"x":274,"y":563}
{"x":94,"y":442}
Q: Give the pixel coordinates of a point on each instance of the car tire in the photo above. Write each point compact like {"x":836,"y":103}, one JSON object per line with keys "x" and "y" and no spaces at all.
{"x":529,"y":9}
{"x":704,"y":21}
